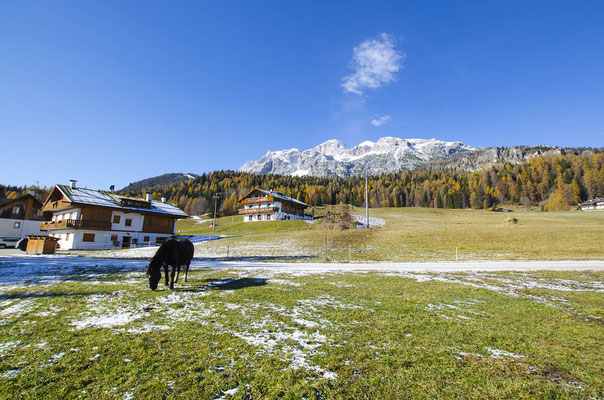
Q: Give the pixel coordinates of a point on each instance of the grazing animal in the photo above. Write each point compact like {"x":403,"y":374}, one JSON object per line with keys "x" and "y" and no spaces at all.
{"x":176,"y":253}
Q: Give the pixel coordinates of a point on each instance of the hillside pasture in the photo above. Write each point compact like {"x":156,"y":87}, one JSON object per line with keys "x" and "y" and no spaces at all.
{"x":416,"y":235}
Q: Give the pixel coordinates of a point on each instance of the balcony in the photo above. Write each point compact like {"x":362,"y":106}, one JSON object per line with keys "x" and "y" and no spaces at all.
{"x":260,"y":210}
{"x":76,"y":224}
{"x":254,"y":200}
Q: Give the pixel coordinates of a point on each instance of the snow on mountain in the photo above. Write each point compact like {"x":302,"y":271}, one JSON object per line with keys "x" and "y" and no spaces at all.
{"x":334,"y":158}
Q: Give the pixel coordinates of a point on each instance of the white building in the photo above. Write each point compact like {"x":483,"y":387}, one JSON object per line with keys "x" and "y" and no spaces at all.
{"x":595,"y":204}
{"x":92,"y":219}
{"x":264,"y":205}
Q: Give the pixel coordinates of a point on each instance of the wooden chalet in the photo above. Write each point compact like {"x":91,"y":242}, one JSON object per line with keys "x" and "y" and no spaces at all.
{"x":92,"y":219}
{"x":265,"y":205}
{"x":25,"y":207}
{"x":21,"y":217}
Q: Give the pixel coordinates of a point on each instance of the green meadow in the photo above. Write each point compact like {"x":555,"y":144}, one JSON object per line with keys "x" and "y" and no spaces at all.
{"x":261,"y":334}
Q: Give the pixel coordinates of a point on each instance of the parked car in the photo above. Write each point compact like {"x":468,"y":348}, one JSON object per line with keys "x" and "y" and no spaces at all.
{"x":8,"y":242}
{"x":22,"y":244}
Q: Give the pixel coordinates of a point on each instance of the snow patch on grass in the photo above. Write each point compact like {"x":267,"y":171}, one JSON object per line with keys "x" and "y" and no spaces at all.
{"x":497,"y":353}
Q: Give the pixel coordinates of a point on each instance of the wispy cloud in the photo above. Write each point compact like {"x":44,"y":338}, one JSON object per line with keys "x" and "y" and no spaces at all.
{"x":375,"y":62}
{"x":380,"y":120}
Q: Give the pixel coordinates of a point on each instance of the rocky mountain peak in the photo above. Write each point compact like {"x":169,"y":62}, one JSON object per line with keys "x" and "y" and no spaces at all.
{"x":334,"y":158}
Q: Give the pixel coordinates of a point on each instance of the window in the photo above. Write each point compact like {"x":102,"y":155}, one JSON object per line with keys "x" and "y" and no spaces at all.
{"x":146,"y":238}
{"x":160,"y":239}
{"x":67,"y":236}
{"x":116,"y":219}
{"x":113,"y":238}
{"x":128,"y":222}
{"x":88,"y":237}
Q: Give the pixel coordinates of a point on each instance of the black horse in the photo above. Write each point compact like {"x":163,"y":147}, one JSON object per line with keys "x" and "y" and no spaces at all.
{"x":172,"y":252}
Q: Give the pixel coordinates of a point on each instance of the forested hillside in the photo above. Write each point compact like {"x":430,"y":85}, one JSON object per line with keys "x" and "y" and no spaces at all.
{"x":553,"y":182}
{"x":165,"y":179}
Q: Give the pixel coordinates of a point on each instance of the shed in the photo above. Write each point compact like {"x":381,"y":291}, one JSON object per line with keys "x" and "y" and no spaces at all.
{"x":38,"y":244}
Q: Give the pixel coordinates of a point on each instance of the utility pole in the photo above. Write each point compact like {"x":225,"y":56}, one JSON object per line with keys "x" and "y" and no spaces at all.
{"x":366,"y":202}
{"x":215,"y":197}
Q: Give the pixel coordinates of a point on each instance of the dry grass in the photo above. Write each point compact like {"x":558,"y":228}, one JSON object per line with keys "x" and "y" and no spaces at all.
{"x":423,"y":234}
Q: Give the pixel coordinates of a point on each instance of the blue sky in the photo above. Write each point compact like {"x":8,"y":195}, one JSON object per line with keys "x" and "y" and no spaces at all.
{"x":111,"y":92}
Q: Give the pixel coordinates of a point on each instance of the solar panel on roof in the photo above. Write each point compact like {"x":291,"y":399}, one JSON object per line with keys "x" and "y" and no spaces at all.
{"x":97,"y":198}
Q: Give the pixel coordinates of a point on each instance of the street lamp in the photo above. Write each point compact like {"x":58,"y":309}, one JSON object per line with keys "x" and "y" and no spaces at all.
{"x":215,"y":197}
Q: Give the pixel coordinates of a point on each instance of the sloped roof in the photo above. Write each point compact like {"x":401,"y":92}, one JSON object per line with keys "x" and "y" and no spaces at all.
{"x":106,"y":199}
{"x":277,"y":195}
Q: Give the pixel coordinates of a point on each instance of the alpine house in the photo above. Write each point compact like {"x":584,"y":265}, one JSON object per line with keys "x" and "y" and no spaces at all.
{"x":265,"y":205}
{"x":92,"y":219}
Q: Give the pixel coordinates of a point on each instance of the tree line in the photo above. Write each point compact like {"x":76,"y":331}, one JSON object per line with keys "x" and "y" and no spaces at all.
{"x":552,"y":182}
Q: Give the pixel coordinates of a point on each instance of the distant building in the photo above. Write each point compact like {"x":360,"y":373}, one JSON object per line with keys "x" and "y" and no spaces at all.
{"x":92,"y":219}
{"x":264,"y":205}
{"x":21,"y":217}
{"x":595,"y":204}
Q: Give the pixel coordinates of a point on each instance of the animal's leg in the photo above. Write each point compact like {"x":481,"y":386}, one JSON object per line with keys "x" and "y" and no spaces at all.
{"x":172,"y":277}
{"x":177,"y":274}
{"x":166,"y":273}
{"x":187,"y":271}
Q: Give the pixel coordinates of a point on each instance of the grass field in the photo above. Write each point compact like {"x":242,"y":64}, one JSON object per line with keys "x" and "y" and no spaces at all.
{"x":100,"y":333}
{"x":416,"y":234}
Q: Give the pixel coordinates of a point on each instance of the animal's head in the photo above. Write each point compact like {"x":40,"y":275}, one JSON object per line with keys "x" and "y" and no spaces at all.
{"x":154,"y":276}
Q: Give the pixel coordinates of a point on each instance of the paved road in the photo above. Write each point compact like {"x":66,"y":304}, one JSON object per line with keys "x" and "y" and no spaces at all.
{"x":11,"y":252}
{"x":422,"y":267}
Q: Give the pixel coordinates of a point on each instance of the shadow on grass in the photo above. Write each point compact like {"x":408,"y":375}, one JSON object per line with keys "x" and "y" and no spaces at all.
{"x":256,"y":258}
{"x":29,"y":295}
{"x":224,"y":284}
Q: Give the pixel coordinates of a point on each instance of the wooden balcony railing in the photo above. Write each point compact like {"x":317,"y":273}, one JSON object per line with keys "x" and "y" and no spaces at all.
{"x":254,"y":200}
{"x":76,"y":224}
{"x":260,"y":210}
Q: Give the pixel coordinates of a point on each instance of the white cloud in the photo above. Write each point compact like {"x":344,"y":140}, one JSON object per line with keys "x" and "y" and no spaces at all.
{"x":375,"y":62}
{"x":380,"y":120}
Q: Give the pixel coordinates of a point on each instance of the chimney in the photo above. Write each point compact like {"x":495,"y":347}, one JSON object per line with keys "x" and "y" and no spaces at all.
{"x":72,"y":183}
{"x":149,"y":197}
{"x":163,"y":199}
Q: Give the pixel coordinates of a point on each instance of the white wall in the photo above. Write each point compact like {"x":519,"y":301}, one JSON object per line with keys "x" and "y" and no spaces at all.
{"x":137,"y":222}
{"x":273,"y":217}
{"x":70,"y":214}
{"x":25,"y":227}
{"x":102,"y":239}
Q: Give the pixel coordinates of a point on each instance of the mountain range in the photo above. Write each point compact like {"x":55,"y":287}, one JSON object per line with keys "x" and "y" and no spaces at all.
{"x":388,"y":154}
